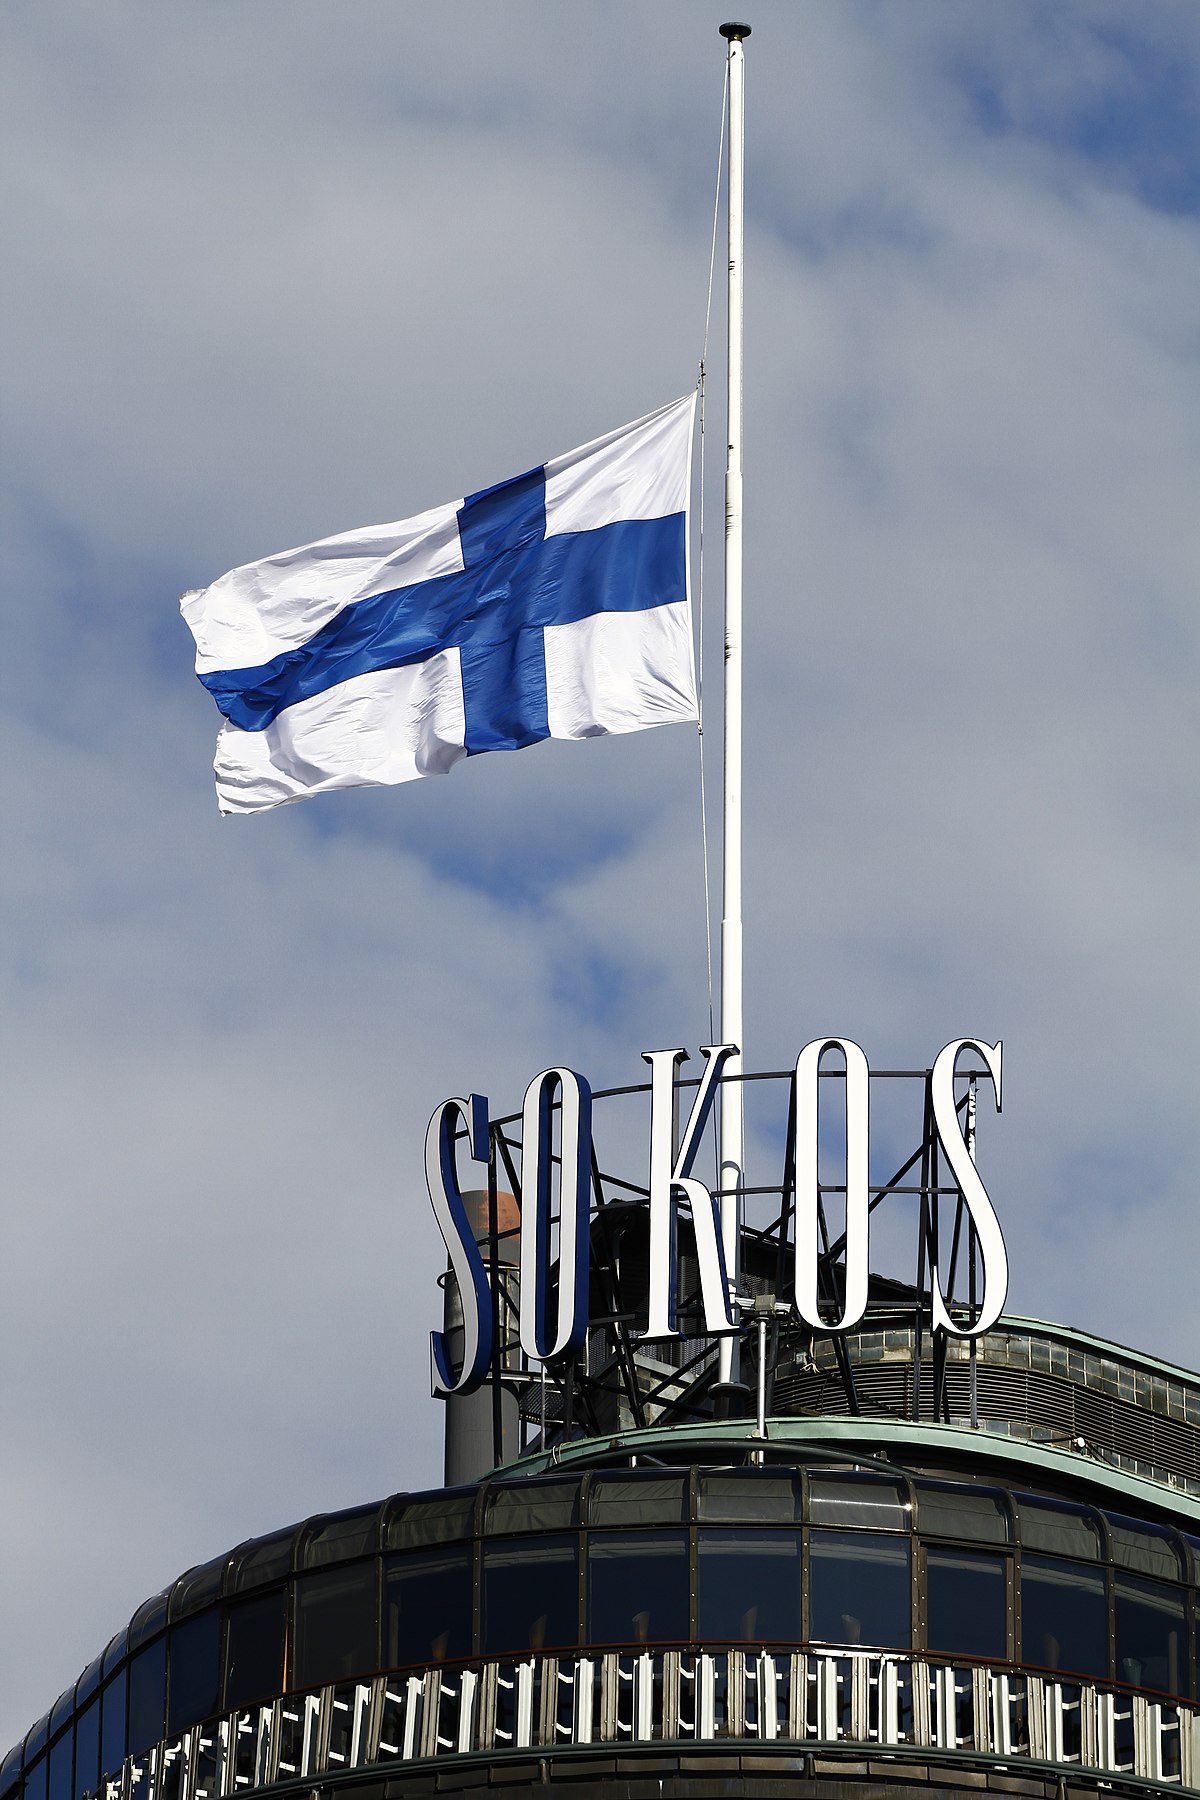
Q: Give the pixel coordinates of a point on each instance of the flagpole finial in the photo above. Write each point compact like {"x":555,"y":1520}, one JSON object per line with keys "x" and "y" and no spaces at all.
{"x":734,"y":29}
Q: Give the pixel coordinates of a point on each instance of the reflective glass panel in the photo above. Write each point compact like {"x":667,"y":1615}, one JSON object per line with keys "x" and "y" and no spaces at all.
{"x":112,"y":1725}
{"x":1151,"y":1626}
{"x":859,"y":1589}
{"x":87,"y":1750}
{"x":638,"y":1500}
{"x":10,"y":1771}
{"x":1056,"y":1528}
{"x":339,"y":1539}
{"x":637,"y":1587}
{"x":254,"y":1650}
{"x":529,"y":1593}
{"x":147,"y":1696}
{"x":1146,"y":1549}
{"x":748,"y":1587}
{"x":966,"y":1594}
{"x":265,"y":1560}
{"x":149,"y":1618}
{"x":1064,"y":1617}
{"x":36,"y":1779}
{"x":61,"y":1756}
{"x":427,"y":1607}
{"x":337,"y":1628}
{"x":197,"y":1588}
{"x":532,"y":1506}
{"x":748,"y":1496}
{"x":863,"y":1500}
{"x":962,"y":1512}
{"x":194,"y":1671}
{"x":430,"y":1519}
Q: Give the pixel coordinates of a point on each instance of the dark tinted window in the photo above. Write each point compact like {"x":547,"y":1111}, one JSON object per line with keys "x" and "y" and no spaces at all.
{"x":530,"y":1593}
{"x":260,"y":1563}
{"x":749,"y":1496}
{"x":1058,"y":1529}
{"x":1151,"y":1635}
{"x":36,"y":1779}
{"x":966,"y":1597}
{"x":147,"y":1696}
{"x":254,"y":1650}
{"x":859,"y":1589}
{"x":87,"y":1750}
{"x":61,"y":1755}
{"x":194,"y":1673}
{"x":962,"y":1512}
{"x":1146,"y":1549}
{"x":337,"y":1629}
{"x":112,"y":1725}
{"x":1064,"y":1616}
{"x":532,"y":1506}
{"x":427,"y":1607}
{"x":340,"y":1538}
{"x":748,"y":1587}
{"x":430,"y":1519}
{"x":638,"y":1500}
{"x":637,"y":1587}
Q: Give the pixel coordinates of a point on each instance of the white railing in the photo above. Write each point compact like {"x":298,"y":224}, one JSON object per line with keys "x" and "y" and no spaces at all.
{"x":673,"y":1696}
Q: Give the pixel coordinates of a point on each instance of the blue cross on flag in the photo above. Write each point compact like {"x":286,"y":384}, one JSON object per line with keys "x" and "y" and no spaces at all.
{"x":552,"y":605}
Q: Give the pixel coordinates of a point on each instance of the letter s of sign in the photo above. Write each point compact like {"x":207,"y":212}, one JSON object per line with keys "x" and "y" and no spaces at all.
{"x":445,"y":1193}
{"x":574,"y":1213}
{"x":983,"y":1217}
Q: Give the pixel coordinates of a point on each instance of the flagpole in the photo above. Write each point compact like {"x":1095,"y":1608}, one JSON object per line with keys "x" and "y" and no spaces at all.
{"x":731,"y":1111}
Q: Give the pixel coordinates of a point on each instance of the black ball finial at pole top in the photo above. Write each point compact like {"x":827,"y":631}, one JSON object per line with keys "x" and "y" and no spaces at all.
{"x":735,"y":29}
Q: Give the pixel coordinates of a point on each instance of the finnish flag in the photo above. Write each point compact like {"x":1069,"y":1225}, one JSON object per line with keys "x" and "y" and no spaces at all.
{"x":552,"y":605}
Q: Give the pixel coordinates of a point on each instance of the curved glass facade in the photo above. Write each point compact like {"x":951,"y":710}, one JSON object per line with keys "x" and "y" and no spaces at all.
{"x":840,"y":1556}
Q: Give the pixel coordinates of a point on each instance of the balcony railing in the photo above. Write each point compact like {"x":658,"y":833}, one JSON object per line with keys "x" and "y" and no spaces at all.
{"x":727,"y":1696}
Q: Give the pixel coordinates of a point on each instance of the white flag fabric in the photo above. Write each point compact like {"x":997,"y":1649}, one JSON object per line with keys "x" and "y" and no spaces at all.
{"x":552,"y":605}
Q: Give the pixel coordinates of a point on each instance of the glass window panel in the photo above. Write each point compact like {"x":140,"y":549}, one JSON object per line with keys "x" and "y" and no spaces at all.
{"x":745,"y":1497}
{"x":1146,"y":1549}
{"x":339,"y":1539}
{"x":427,"y":1607}
{"x":863,"y":1500}
{"x":1056,"y":1528}
{"x":266,"y":1560}
{"x":337,"y":1630}
{"x":859,"y":1589}
{"x":197,"y":1588}
{"x":978,"y":1514}
{"x":430,"y":1519}
{"x":149,"y":1618}
{"x":748,"y":1587}
{"x":116,"y":1651}
{"x":147,"y":1696}
{"x":529,"y":1594}
{"x":532,"y":1506}
{"x":254,"y":1650}
{"x":1151,"y":1627}
{"x":61,"y":1711}
{"x":194,"y":1671}
{"x":87,"y":1750}
{"x":10,"y":1771}
{"x":966,"y":1593}
{"x":37,"y":1737}
{"x":62,"y":1753}
{"x":36,"y":1779}
{"x":112,"y":1725}
{"x":634,"y":1500}
{"x":88,"y":1682}
{"x":637,"y":1587}
{"x":1064,"y":1617}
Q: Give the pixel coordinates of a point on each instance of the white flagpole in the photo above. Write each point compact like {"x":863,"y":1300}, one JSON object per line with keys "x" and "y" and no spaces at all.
{"x":731,"y":1113}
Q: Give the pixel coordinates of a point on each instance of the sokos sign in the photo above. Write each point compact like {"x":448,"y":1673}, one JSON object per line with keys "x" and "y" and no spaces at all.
{"x":670,"y":1181}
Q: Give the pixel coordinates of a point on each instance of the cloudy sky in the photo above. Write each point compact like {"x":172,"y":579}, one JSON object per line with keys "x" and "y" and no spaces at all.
{"x":275,"y":268}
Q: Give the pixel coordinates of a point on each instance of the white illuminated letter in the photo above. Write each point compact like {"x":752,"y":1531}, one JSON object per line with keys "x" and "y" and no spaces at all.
{"x":993,"y":1256}
{"x":670,"y":1177}
{"x":808,"y":1112}
{"x":441,"y":1176}
{"x":574,"y":1189}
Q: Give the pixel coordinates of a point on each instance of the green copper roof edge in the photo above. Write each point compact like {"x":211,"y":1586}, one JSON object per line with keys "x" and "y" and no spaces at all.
{"x":873,"y":1435}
